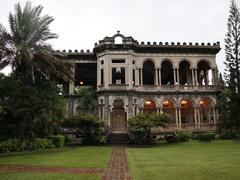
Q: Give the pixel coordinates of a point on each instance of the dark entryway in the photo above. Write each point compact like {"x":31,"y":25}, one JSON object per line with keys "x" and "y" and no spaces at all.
{"x":118,"y":117}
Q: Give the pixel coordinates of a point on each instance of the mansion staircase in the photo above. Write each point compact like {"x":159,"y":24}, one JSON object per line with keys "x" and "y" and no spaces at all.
{"x":118,"y":138}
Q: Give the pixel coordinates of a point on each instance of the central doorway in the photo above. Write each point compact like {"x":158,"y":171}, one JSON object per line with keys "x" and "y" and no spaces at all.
{"x":118,"y":117}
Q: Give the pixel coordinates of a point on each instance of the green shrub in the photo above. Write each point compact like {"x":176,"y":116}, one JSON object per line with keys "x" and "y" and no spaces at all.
{"x":38,"y":143}
{"x":88,"y":126}
{"x":228,"y":135}
{"x":142,"y":124}
{"x":57,"y":140}
{"x":172,"y":138}
{"x":139,"y":136}
{"x":207,"y":136}
{"x":184,"y":136}
{"x":16,"y":145}
{"x":12,"y":145}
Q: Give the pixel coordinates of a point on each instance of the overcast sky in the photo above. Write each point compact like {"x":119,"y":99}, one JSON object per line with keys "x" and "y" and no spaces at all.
{"x":81,"y":23}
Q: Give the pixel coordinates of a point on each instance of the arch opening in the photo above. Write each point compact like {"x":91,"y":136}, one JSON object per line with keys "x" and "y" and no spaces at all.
{"x":204,"y":76}
{"x":187,"y":112}
{"x":167,"y":73}
{"x":118,"y":117}
{"x":148,"y":72}
{"x":149,"y":106}
{"x":118,"y":40}
{"x":168,"y":106}
{"x":206,"y":111}
{"x":185,"y":75}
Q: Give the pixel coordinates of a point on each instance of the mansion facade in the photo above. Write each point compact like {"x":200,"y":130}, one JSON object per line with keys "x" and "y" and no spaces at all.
{"x":131,"y":77}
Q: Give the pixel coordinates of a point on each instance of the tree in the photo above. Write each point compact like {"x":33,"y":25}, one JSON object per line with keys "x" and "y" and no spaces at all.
{"x":29,"y":97}
{"x":86,"y":98}
{"x":231,"y":93}
{"x":88,"y":126}
{"x":25,"y":48}
{"x":28,"y":110}
{"x":232,"y":46}
{"x":142,"y":124}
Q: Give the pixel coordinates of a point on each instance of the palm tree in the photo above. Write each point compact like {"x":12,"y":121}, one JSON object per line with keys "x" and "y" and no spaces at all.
{"x":24,"y":48}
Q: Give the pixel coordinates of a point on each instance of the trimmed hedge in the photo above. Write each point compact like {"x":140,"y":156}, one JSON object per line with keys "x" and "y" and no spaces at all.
{"x":207,"y":136}
{"x":16,"y":145}
{"x":57,"y":140}
{"x":173,"y":138}
{"x":184,"y":136}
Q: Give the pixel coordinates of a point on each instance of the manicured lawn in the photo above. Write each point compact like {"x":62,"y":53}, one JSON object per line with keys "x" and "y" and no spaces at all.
{"x":219,"y":160}
{"x":47,"y":176}
{"x":92,"y":157}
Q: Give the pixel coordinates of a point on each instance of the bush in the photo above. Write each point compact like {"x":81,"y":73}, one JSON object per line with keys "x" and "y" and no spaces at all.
{"x":207,"y":136}
{"x":173,"y":138}
{"x":139,"y":137}
{"x":141,"y":125}
{"x":57,"y":140}
{"x":16,"y":145}
{"x":88,"y":126}
{"x":228,"y":135}
{"x":12,"y":145}
{"x":38,"y":143}
{"x":184,"y":136}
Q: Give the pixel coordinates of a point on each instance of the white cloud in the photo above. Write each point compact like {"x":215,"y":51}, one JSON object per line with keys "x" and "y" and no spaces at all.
{"x":81,"y":23}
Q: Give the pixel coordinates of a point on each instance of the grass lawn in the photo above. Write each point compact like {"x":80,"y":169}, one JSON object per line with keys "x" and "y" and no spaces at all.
{"x":47,"y":176}
{"x":219,"y":160}
{"x":92,"y":157}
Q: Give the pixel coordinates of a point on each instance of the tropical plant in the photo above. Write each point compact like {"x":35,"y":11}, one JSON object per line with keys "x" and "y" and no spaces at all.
{"x":24,"y":48}
{"x":142,"y":124}
{"x":88,"y":126}
{"x":28,"y":110}
{"x":86,"y":98}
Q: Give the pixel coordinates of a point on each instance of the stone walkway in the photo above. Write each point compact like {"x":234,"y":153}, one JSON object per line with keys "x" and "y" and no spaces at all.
{"x":117,"y":167}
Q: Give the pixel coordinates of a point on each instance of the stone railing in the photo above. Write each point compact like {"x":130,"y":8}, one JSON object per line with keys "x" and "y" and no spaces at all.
{"x":162,"y":88}
{"x":186,"y":127}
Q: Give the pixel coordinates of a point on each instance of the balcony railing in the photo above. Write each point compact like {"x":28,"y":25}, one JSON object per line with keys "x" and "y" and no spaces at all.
{"x":186,"y":127}
{"x":162,"y":88}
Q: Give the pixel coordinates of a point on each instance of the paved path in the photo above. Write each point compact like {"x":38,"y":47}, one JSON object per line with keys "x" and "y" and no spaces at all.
{"x":117,"y":167}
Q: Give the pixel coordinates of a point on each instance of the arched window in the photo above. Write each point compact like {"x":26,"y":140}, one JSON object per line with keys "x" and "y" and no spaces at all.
{"x":206,"y":111}
{"x":166,"y":73}
{"x":168,"y":106}
{"x":148,"y":73}
{"x":149,"y":106}
{"x":203,"y":73}
{"x":187,"y":115}
{"x":185,"y":75}
{"x":118,"y":40}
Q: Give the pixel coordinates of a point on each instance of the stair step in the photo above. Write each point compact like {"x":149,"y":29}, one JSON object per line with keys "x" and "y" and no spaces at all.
{"x":118,"y":138}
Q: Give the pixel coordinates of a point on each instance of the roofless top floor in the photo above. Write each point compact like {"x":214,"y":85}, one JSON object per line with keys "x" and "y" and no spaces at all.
{"x":123,"y":60}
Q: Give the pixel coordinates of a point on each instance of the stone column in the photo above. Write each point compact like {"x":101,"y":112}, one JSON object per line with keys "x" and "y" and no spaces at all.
{"x":136,"y":76}
{"x":176,"y":117}
{"x":193,"y":77}
{"x":214,"y":116}
{"x":179,"y":118}
{"x":199,"y":118}
{"x":160,"y":80}
{"x":178,"y":76}
{"x":156,"y":77}
{"x":174,"y":76}
{"x":195,"y":117}
{"x":196,"y":76}
{"x":71,"y":82}
{"x":140,"y":76}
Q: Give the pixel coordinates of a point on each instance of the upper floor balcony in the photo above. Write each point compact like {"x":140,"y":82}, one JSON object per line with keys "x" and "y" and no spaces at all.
{"x":161,"y":88}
